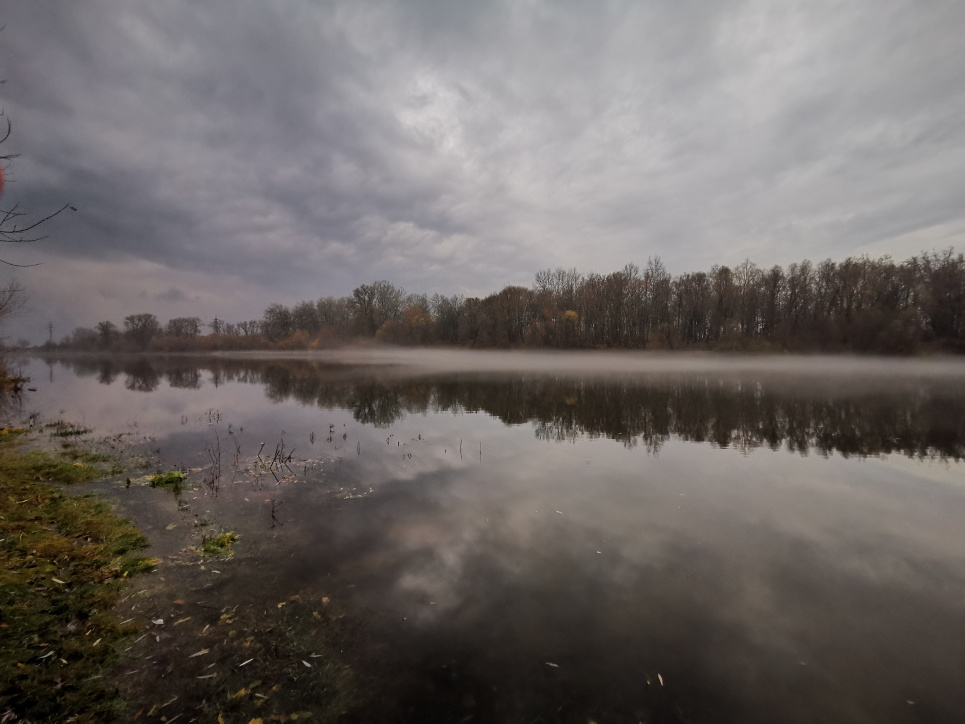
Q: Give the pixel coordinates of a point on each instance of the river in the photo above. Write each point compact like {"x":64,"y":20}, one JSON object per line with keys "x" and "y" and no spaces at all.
{"x":580,"y":537}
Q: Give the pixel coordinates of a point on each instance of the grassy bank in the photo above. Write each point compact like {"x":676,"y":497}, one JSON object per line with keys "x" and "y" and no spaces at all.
{"x":64,"y":559}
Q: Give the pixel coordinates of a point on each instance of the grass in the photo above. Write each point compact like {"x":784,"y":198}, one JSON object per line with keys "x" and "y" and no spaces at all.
{"x":63,"y":560}
{"x":173,"y":480}
{"x":219,"y":546}
{"x":87,"y":457}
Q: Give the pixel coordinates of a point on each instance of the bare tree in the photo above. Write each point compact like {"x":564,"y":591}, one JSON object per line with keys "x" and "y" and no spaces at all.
{"x":107,"y":333}
{"x":184,"y":327}
{"x":142,"y":328}
{"x":249,"y":327}
{"x":12,"y":299}
{"x":16,"y":226}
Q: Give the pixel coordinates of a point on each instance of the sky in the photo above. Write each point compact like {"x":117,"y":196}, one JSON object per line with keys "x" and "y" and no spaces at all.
{"x":223,"y":156}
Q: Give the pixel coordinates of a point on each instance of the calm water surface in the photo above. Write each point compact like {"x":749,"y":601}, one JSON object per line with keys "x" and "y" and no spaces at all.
{"x":585,"y":537}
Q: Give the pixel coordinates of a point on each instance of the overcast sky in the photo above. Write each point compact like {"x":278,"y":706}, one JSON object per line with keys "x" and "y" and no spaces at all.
{"x":226,"y":155}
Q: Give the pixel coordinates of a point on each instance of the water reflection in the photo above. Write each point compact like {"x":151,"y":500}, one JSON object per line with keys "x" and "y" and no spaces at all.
{"x":761,"y":587}
{"x":916,"y":417}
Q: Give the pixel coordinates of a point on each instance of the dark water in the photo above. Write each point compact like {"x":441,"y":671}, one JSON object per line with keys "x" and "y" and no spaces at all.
{"x":606,"y":538}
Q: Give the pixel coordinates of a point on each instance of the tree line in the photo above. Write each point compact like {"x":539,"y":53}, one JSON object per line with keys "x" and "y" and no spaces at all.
{"x":859,"y":304}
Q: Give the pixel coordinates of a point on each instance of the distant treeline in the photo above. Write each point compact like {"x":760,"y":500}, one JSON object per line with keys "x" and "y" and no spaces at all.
{"x":920,"y":419}
{"x":860,"y":304}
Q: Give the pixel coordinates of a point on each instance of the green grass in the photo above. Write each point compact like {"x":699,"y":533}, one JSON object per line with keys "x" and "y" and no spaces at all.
{"x":219,"y":545}
{"x":63,"y":560}
{"x":173,"y":480}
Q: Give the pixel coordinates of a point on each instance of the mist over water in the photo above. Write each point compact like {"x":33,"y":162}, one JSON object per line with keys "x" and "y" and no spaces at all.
{"x":590,"y":536}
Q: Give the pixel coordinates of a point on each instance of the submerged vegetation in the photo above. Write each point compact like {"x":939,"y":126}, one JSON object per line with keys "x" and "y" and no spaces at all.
{"x":219,"y":545}
{"x":64,"y":559}
{"x":859,"y":304}
{"x":173,"y":480}
{"x":61,"y":428}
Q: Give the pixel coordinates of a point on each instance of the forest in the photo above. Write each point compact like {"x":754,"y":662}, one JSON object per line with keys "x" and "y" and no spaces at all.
{"x":861,"y":304}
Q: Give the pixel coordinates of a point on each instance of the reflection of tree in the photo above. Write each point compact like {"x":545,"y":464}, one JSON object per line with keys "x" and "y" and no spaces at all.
{"x":141,"y":376}
{"x":915,"y":419}
{"x":184,"y":377}
{"x":106,"y":372}
{"x":377,"y":405}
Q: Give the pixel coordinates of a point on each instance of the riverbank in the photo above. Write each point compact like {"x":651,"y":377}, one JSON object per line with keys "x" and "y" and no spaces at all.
{"x":194,"y":641}
{"x":65,"y":561}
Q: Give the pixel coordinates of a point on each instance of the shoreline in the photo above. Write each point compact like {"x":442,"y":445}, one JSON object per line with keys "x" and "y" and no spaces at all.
{"x":172,"y":642}
{"x":67,"y":558}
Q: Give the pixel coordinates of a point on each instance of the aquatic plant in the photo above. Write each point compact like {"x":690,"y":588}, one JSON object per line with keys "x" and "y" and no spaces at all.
{"x":219,"y":545}
{"x":61,"y":428}
{"x":173,"y":480}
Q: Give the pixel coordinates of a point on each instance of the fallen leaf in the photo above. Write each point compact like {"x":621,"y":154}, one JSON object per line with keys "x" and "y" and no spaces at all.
{"x":57,"y":580}
{"x":660,"y":678}
{"x":550,"y":663}
{"x":158,"y":622}
{"x":199,"y":653}
{"x":306,"y":663}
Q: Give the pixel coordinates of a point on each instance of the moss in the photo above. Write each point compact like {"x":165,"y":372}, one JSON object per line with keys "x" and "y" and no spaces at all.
{"x":173,"y":480}
{"x":63,"y":560}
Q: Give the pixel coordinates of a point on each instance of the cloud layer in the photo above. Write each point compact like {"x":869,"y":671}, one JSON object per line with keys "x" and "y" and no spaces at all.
{"x":226,"y":155}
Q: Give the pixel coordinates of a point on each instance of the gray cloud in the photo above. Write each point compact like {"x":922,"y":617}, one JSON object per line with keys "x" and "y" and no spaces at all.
{"x":283,"y":151}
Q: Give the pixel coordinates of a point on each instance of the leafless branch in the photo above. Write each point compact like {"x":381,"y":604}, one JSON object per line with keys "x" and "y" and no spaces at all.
{"x":17,"y":234}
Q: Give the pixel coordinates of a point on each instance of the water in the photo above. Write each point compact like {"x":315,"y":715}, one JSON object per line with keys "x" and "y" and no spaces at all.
{"x":579,"y":537}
